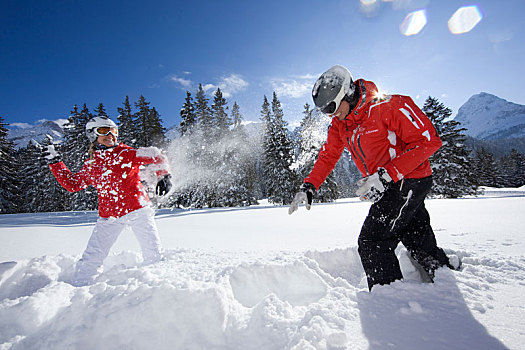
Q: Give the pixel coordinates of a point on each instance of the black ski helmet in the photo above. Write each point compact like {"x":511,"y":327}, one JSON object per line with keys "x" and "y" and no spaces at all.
{"x":331,"y":88}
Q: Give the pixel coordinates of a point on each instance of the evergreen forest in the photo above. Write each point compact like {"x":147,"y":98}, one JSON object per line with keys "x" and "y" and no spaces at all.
{"x":217,"y":161}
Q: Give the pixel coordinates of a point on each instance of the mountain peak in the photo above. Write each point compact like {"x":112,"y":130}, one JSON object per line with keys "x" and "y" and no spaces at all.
{"x":486,"y":116}
{"x":21,"y":136}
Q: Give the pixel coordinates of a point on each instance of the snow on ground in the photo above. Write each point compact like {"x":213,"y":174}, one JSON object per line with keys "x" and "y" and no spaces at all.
{"x":257,"y":278}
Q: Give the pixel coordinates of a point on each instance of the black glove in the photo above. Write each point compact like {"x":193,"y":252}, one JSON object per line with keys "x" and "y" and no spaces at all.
{"x":305,"y":194}
{"x":51,"y":155}
{"x":163,"y":185}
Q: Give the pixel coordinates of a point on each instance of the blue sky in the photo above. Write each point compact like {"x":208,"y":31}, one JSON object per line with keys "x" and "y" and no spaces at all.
{"x":54,"y":54}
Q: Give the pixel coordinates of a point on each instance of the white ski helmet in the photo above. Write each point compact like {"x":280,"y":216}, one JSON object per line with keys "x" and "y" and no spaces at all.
{"x":331,"y":88}
{"x":94,"y":123}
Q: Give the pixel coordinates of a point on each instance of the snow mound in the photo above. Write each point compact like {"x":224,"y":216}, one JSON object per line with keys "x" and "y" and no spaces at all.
{"x":252,"y":283}
{"x":228,"y":300}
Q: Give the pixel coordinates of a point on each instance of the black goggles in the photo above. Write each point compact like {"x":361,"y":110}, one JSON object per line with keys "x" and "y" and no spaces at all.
{"x":330,"y":108}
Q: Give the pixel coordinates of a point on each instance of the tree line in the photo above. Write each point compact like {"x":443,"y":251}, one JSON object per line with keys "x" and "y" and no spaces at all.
{"x":217,"y":162}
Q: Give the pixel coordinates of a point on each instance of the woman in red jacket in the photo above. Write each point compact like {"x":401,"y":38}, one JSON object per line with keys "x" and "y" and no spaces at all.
{"x":113,"y":169}
{"x":390,"y":140}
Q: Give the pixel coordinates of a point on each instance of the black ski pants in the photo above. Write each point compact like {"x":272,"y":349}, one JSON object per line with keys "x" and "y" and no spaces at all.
{"x":399,"y":216}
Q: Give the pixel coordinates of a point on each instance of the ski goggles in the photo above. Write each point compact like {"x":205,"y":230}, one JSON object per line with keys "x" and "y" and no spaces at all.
{"x":106,"y":130}
{"x":333,"y":106}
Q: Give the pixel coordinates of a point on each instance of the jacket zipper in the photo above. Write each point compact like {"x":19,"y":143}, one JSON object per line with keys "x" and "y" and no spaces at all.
{"x":354,"y":152}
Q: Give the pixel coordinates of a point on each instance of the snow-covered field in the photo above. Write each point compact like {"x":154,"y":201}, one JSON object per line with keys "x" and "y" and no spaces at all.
{"x":257,"y":278}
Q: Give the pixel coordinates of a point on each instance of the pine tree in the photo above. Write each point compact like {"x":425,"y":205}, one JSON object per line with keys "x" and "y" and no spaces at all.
{"x":9,"y":181}
{"x":311,"y":136}
{"x":451,"y":164}
{"x":221,"y":155}
{"x":512,"y":167}
{"x":156,"y":130}
{"x":219,"y":112}
{"x":204,"y":158}
{"x":187,"y":113}
{"x":75,"y":149}
{"x":519,"y":160}
{"x":486,"y":169}
{"x":205,"y":154}
{"x":238,"y":167}
{"x":30,"y":158}
{"x":148,"y":125}
{"x":280,"y":179}
{"x":127,"y":130}
{"x":100,"y":110}
{"x":43,"y":192}
{"x":203,"y":113}
{"x":267,"y":131}
{"x":236,"y":116}
{"x":250,"y":152}
{"x":141,"y":122}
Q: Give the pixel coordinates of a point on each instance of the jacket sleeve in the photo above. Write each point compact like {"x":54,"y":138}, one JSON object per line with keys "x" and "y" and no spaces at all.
{"x":328,"y":156}
{"x":415,"y":130}
{"x":154,"y":156}
{"x":68,"y":180}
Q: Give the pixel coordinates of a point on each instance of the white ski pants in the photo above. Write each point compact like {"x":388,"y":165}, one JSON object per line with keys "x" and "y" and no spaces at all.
{"x":105,"y":234}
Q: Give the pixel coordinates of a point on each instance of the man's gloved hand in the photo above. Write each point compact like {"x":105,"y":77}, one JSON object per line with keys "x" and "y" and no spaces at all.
{"x":372,"y":187}
{"x":305,"y":194}
{"x":163,"y":185}
{"x":51,"y":154}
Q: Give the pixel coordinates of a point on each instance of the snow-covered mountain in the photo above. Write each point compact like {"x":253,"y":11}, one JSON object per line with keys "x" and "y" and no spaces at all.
{"x":488,"y":117}
{"x":22,"y":135}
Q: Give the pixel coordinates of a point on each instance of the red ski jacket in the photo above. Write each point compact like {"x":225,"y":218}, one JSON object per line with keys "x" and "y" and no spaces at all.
{"x":381,"y":131}
{"x":115,"y":174}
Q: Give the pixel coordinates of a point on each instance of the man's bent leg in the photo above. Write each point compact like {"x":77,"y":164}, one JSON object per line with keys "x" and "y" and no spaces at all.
{"x":377,"y":243}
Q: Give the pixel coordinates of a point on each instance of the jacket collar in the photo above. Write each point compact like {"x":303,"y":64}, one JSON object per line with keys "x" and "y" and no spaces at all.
{"x":100,"y":151}
{"x":367,"y":92}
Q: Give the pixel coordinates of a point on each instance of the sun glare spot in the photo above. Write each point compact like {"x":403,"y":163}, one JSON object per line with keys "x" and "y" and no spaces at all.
{"x":464,"y":19}
{"x":413,"y":23}
{"x":380,"y":95}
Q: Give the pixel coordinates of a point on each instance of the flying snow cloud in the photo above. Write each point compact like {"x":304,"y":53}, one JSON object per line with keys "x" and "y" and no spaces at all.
{"x":187,"y":169}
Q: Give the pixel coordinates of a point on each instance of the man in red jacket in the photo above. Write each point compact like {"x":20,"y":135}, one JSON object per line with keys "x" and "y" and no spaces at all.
{"x":390,"y":140}
{"x":113,"y":169}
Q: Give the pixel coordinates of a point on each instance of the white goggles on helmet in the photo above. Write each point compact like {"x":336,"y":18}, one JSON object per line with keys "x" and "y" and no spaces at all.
{"x":106,"y":130}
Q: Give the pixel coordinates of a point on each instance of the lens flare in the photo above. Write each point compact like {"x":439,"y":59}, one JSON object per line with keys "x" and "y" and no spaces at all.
{"x":380,"y":95}
{"x":464,"y":19}
{"x":413,"y":23}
